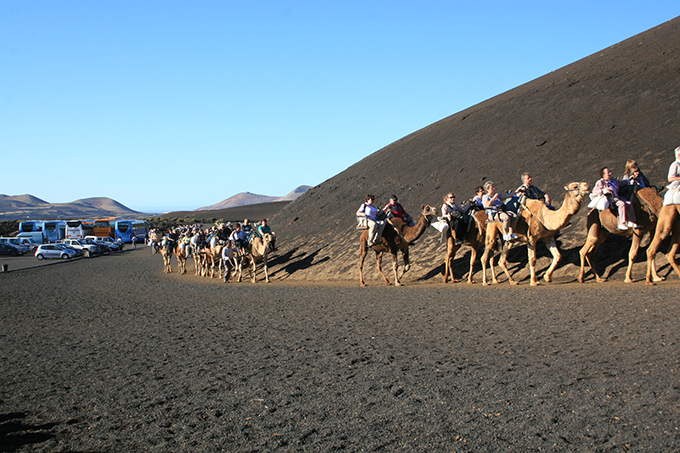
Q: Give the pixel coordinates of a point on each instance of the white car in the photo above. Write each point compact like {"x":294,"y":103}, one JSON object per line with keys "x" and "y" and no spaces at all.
{"x":108,"y":241}
{"x":88,"y":249}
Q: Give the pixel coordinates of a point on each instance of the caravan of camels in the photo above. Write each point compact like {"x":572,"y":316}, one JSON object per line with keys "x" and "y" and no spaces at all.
{"x":629,"y":207}
{"x":220,"y":251}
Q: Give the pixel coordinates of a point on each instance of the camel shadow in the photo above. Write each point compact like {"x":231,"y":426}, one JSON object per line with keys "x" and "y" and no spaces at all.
{"x":15,"y":434}
{"x":290,"y":263}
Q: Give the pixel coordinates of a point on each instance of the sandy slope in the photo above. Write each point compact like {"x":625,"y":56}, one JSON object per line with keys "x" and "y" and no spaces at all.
{"x":618,"y":104}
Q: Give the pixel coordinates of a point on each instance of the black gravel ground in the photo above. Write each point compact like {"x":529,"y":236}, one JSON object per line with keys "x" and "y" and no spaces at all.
{"x":113,"y":355}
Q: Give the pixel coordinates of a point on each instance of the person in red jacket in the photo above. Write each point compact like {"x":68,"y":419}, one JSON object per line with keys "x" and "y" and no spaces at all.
{"x":397,"y":210}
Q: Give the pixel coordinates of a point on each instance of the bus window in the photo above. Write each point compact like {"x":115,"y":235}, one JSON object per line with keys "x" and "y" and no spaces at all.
{"x":29,"y":226}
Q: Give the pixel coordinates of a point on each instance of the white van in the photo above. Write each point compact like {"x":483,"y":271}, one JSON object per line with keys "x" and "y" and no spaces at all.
{"x":36,"y":236}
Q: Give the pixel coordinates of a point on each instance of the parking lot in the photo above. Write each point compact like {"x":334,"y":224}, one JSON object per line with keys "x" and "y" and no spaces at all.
{"x":29,"y":260}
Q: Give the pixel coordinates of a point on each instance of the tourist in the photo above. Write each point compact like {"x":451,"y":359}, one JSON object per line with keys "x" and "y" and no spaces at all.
{"x":238,"y":239}
{"x":609,"y":187}
{"x":529,"y":191}
{"x":493,"y":204}
{"x":454,"y":215}
{"x":228,"y":260}
{"x":632,"y":181}
{"x":397,"y":210}
{"x":375,"y":225}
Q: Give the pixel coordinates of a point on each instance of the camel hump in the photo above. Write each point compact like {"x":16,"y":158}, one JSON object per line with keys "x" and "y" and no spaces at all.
{"x":651,"y":198}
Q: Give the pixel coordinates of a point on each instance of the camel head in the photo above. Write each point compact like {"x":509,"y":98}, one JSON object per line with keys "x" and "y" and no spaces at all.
{"x":577,"y":190}
{"x":428,"y":211}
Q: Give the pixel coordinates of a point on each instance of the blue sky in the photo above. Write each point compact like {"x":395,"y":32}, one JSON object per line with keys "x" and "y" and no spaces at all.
{"x":170,"y":105}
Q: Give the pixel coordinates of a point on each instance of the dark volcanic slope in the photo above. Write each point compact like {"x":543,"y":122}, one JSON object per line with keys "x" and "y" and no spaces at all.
{"x":618,"y":104}
{"x":255,"y":212}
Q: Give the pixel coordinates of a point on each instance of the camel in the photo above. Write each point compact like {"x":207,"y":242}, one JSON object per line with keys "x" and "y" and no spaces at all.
{"x":205,"y":262}
{"x":537,"y":222}
{"x":397,"y":236}
{"x":473,"y":238}
{"x":668,"y":223}
{"x":182,"y":254}
{"x":194,"y":250}
{"x":166,"y":252}
{"x":647,"y":204}
{"x":259,"y":249}
{"x":216,"y":257}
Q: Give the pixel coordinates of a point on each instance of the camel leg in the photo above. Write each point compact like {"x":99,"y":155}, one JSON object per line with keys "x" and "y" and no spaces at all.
{"x":407,"y":261}
{"x":448,"y":268}
{"x":634,"y":246}
{"x":653,"y":248}
{"x":503,"y":259}
{"x":582,"y":254}
{"x":378,"y":264}
{"x":531,"y":252}
{"x":266,"y":273}
{"x":494,"y":277}
{"x":488,"y":257}
{"x":362,"y":256}
{"x":663,"y":229}
{"x":395,"y":269}
{"x":253,"y":271}
{"x":240,"y":269}
{"x":587,"y":254}
{"x":448,"y":262}
{"x":473,"y":258}
{"x":670,"y":256}
{"x":557,"y":256}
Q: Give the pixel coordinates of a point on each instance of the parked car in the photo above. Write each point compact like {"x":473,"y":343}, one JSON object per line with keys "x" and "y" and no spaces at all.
{"x":55,"y":251}
{"x":16,"y":243}
{"x":79,"y":252}
{"x":28,"y":242}
{"x":110,"y":243}
{"x":103,"y":248}
{"x":7,"y":249}
{"x":78,"y":244}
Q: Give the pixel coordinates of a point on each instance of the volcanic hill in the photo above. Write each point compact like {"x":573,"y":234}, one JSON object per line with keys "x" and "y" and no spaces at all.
{"x":620,"y":103}
{"x":29,"y":206}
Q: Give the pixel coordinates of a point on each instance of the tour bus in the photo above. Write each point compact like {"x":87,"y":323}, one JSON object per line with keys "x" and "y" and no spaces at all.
{"x":54,"y":230}
{"x":78,"y":229}
{"x":126,"y":229}
{"x":104,"y":227}
{"x":30,"y":226}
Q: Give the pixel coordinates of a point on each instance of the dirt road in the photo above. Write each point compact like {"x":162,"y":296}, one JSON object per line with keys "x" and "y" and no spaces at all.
{"x":113,"y":355}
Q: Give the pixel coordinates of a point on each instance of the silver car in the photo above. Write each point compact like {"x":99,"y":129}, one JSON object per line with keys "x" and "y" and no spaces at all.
{"x":55,"y":251}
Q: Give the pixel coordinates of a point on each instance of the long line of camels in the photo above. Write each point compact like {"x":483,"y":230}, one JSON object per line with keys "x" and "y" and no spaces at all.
{"x":537,"y":223}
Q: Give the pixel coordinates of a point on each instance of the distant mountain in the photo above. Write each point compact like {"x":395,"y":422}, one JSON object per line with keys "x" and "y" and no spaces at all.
{"x":247,"y":198}
{"x":294,"y":195}
{"x":15,"y":207}
{"x":12,"y":202}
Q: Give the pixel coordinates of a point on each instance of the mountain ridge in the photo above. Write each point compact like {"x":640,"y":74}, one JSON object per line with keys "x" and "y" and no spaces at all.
{"x":248,"y":198}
